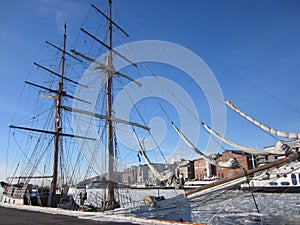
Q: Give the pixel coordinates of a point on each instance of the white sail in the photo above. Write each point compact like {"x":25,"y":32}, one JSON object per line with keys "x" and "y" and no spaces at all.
{"x":157,"y":174}
{"x":277,"y":150}
{"x":231,"y":163}
{"x":262,"y":126}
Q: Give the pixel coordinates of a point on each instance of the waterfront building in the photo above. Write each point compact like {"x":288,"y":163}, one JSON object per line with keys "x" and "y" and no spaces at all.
{"x":186,"y":169}
{"x":204,"y":169}
{"x":245,"y":160}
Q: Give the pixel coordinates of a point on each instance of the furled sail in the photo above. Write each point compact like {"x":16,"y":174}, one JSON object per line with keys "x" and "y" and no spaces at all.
{"x":231,"y":163}
{"x":277,"y":150}
{"x":262,"y":126}
{"x":157,"y":174}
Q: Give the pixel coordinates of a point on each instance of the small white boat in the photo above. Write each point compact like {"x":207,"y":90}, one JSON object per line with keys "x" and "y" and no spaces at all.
{"x":200,"y":183}
{"x":282,"y":179}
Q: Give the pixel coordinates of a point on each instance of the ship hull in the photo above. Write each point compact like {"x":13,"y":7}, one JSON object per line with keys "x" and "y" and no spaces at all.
{"x":265,"y":189}
{"x":176,"y":209}
{"x":21,"y":196}
{"x":285,"y":179}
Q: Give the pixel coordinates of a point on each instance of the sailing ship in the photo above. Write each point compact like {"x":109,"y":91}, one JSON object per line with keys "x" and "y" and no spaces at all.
{"x":59,"y":189}
{"x":23,"y":192}
{"x":60,"y":193}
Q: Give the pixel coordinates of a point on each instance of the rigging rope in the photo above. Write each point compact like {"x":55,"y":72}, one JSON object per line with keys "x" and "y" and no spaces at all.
{"x":157,"y":174}
{"x":234,"y":197}
{"x":144,"y":123}
{"x":262,"y":90}
{"x":231,"y":163}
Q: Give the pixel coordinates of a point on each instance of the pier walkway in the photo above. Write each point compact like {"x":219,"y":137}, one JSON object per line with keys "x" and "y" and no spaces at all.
{"x":11,"y":216}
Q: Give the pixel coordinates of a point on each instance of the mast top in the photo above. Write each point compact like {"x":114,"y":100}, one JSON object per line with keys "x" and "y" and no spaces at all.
{"x":110,"y":19}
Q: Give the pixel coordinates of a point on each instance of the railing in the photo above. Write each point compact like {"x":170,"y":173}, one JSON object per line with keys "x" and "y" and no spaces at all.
{"x":15,"y":192}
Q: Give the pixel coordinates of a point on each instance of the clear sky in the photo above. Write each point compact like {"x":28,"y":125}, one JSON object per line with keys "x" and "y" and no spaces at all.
{"x":249,"y":45}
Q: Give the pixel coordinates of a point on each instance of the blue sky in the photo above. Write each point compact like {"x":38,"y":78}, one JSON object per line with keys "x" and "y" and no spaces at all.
{"x":249,"y":45}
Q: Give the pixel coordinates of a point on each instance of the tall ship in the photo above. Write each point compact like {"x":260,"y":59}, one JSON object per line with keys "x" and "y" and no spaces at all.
{"x":59,"y":152}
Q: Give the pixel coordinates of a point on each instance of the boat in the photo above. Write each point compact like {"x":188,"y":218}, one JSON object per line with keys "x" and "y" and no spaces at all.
{"x":200,"y":183}
{"x":235,"y":181}
{"x":59,"y":188}
{"x":259,"y":179}
{"x":284,"y":179}
{"x":19,"y":189}
{"x":150,"y":186}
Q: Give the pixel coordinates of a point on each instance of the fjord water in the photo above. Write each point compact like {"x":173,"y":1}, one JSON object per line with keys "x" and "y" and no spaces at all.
{"x":237,"y":207}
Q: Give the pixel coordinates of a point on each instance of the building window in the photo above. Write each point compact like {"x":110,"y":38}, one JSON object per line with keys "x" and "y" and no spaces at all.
{"x":294,"y":180}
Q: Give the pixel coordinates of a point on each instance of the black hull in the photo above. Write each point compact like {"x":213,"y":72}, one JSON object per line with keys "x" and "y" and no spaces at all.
{"x":3,"y":184}
{"x":152,"y":188}
{"x":291,"y":189}
{"x":15,"y":195}
{"x":42,"y":201}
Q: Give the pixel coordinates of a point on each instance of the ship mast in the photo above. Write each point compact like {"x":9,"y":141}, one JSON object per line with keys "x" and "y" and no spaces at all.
{"x":57,"y":122}
{"x":59,"y":94}
{"x":109,"y":75}
{"x":110,"y":202}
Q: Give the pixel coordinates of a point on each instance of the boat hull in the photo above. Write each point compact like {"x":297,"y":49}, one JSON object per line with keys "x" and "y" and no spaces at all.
{"x":12,"y":200}
{"x":21,"y":196}
{"x":273,"y":189}
{"x":176,"y":209}
{"x":285,"y":179}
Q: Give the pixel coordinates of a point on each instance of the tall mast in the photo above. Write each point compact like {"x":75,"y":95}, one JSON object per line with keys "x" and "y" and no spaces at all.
{"x":109,"y":75}
{"x":108,"y":67}
{"x":57,"y":123}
